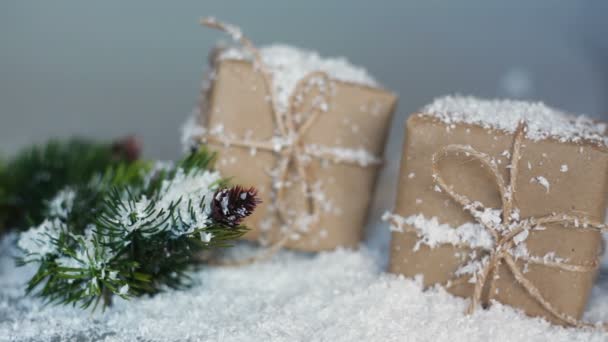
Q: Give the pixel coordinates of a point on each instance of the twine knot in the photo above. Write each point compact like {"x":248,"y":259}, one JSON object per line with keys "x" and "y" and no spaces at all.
{"x":508,"y":230}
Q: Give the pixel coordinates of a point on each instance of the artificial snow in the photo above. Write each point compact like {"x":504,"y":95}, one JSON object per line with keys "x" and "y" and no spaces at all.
{"x":433,"y":234}
{"x":288,"y":65}
{"x":543,"y":122}
{"x":358,"y":156}
{"x":61,"y":205}
{"x":542,"y":181}
{"x":334,"y":296}
{"x":191,"y":131}
{"x":187,"y":190}
{"x":37,"y":241}
{"x":133,"y":217}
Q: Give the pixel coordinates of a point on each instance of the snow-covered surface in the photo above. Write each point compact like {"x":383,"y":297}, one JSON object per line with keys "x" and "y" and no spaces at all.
{"x":334,"y":296}
{"x":505,"y":115}
{"x":288,"y":65}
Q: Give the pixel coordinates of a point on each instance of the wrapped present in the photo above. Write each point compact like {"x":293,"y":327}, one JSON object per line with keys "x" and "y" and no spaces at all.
{"x":502,"y":201}
{"x":308,"y":132}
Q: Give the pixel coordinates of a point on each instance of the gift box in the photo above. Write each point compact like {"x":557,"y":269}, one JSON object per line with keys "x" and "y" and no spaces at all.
{"x":502,"y":201}
{"x":308,"y":132}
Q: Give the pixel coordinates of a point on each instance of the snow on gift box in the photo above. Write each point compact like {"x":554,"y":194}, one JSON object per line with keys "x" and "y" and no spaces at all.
{"x":502,"y":200}
{"x":311,"y":130}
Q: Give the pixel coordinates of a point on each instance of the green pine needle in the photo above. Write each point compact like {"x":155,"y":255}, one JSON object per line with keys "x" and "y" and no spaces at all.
{"x":37,"y":173}
{"x":131,"y":230}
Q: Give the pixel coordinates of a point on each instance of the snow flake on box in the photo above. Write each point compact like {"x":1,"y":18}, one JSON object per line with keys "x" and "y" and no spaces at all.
{"x":288,"y":65}
{"x":542,"y":121}
{"x":542,"y":181}
{"x":192,"y":130}
{"x":433,"y":233}
{"x":358,"y":156}
{"x":469,"y":235}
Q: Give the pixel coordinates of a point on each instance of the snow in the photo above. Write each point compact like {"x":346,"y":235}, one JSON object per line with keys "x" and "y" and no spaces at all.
{"x":433,"y":234}
{"x":87,"y":256}
{"x":543,"y":122}
{"x":346,"y":298}
{"x":206,"y":237}
{"x":37,"y":241}
{"x":133,"y":217}
{"x":191,"y":130}
{"x":124,"y":289}
{"x":521,"y":237}
{"x":542,"y":181}
{"x":288,"y":65}
{"x":358,"y":156}
{"x":62,"y":203}
{"x":190,"y":189}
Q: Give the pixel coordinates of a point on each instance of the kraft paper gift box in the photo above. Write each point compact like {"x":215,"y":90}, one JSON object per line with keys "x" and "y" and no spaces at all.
{"x":449,"y":202}
{"x":307,"y":132}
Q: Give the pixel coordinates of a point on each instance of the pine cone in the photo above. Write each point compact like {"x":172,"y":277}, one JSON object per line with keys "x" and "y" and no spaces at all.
{"x":128,"y":148}
{"x":231,"y":205}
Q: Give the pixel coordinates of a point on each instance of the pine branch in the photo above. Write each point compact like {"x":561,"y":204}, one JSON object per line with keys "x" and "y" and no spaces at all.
{"x":133,"y":230}
{"x":36,"y":174}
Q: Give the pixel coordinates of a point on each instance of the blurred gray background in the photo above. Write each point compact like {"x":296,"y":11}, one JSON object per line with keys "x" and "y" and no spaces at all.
{"x":109,"y":68}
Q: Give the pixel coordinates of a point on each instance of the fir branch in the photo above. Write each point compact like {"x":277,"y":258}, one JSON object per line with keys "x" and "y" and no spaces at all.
{"x":37,"y":173}
{"x":132,"y":230}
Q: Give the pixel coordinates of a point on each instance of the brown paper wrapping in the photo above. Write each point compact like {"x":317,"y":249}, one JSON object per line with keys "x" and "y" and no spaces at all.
{"x":358,"y":117}
{"x":581,"y":189}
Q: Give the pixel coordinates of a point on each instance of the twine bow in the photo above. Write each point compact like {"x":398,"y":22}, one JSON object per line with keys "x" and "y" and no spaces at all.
{"x":508,"y":229}
{"x":289,"y":145}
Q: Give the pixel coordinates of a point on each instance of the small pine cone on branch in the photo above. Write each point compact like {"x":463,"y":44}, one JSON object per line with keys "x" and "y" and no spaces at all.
{"x":231,"y":205}
{"x":128,"y":148}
